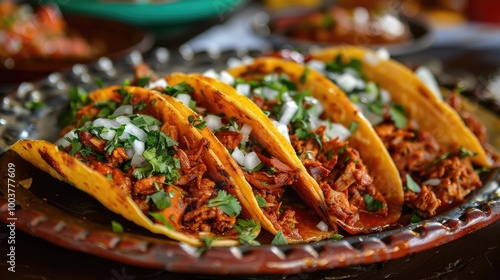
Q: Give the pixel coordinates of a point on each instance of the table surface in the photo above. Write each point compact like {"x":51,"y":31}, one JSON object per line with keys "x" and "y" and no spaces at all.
{"x":475,"y":256}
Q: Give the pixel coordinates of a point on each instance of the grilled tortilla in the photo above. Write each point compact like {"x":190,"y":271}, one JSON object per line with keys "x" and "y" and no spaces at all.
{"x":356,"y":183}
{"x":141,"y":158}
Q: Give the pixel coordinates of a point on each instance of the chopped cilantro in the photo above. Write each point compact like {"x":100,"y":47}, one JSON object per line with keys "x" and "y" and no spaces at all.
{"x":481,"y":170}
{"x":463,"y":153}
{"x":372,"y":204}
{"x":99,"y":82}
{"x":256,"y":168}
{"x":76,"y":146}
{"x":412,"y":185}
{"x":161,"y":199}
{"x":116,"y":226}
{"x":279,"y":239}
{"x":226,"y":202}
{"x":160,"y":218}
{"x":260,"y":201}
{"x":143,"y":81}
{"x":305,"y":75}
{"x":198,"y":122}
{"x":140,"y":106}
{"x":179,"y":88}
{"x":144,"y":121}
{"x":353,"y":126}
{"x":328,"y":21}
{"x":398,"y":115}
{"x":415,"y":218}
{"x":248,"y":230}
{"x":78,"y":98}
{"x":329,"y":154}
{"x":208,"y":242}
{"x":109,"y":176}
{"x":337,"y":236}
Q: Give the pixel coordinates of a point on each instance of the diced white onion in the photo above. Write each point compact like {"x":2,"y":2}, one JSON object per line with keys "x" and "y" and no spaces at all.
{"x":283,"y":129}
{"x":385,"y":96}
{"x":273,"y":77}
{"x":432,"y":182}
{"x":334,"y":130}
{"x":373,"y":118}
{"x":108,"y":135}
{"x":371,"y":59}
{"x":130,"y":152}
{"x":233,"y":62}
{"x":153,"y":127}
{"x":213,"y":122}
{"x":247,"y":60}
{"x":251,"y":160}
{"x":138,"y":160}
{"x":317,"y":65}
{"x":269,"y":93}
{"x":200,"y":109}
{"x":63,"y":142}
{"x":287,"y":111}
{"x":131,"y":129}
{"x":383,"y":54}
{"x":184,"y":98}
{"x":238,"y":156}
{"x":315,"y":123}
{"x":123,"y":110}
{"x":243,"y":89}
{"x":122,"y":120}
{"x":160,"y":83}
{"x":107,"y":123}
{"x":211,"y":73}
{"x":426,"y":76}
{"x":322,"y":226}
{"x":245,"y":130}
{"x":367,"y":97}
{"x":286,"y":97}
{"x":333,"y":76}
{"x":227,"y":78}
{"x":138,"y":147}
{"x":347,"y":82}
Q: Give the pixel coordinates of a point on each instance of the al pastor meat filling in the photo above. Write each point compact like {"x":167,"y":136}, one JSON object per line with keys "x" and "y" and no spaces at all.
{"x":321,"y":144}
{"x":268,"y":176}
{"x":434,"y":179}
{"x":143,"y":156}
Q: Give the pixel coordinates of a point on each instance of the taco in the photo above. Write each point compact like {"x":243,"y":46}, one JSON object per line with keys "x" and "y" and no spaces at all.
{"x":141,"y":158}
{"x":340,"y":157}
{"x":253,"y":153}
{"x":431,"y":146}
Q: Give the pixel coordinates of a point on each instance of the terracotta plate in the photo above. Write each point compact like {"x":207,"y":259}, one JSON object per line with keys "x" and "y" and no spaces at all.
{"x":63,"y":215}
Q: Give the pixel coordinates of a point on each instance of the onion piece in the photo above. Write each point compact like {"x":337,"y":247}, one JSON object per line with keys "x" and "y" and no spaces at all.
{"x":211,"y":73}
{"x":122,"y":120}
{"x":65,"y":143}
{"x":238,"y":156}
{"x":108,"y":135}
{"x":251,"y":160}
{"x":160,"y":83}
{"x":283,"y":130}
{"x":138,"y":147}
{"x":317,"y":65}
{"x":213,"y":122}
{"x":383,"y":54}
{"x":233,"y":62}
{"x":245,"y":130}
{"x":287,"y":111}
{"x":347,"y":82}
{"x":227,"y":78}
{"x":153,"y":127}
{"x":269,"y":93}
{"x":131,"y":129}
{"x":336,"y":130}
{"x":184,"y":98}
{"x":130,"y":152}
{"x":138,"y":160}
{"x":123,"y":110}
{"x":107,"y":123}
{"x":426,"y":76}
{"x":243,"y":89}
{"x":322,"y":226}
{"x":432,"y":182}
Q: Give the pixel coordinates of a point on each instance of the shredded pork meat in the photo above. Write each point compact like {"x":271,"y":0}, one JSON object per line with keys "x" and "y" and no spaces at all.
{"x":444,"y":179}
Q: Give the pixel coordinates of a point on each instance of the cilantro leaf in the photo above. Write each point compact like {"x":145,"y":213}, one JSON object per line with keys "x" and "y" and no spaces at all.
{"x":372,"y":204}
{"x":160,"y":218}
{"x":116,"y":226}
{"x":415,"y":218}
{"x":226,"y":202}
{"x":279,"y":239}
{"x":33,"y":105}
{"x":207,"y":241}
{"x":78,"y":98}
{"x":337,"y":236}
{"x":182,"y":87}
{"x":140,"y":106}
{"x":261,"y":201}
{"x":305,"y":75}
{"x":143,"y":81}
{"x":161,"y":199}
{"x":398,"y":115}
{"x":353,"y":126}
{"x":412,"y":185}
{"x":199,"y":123}
{"x":248,"y":230}
{"x":463,"y":153}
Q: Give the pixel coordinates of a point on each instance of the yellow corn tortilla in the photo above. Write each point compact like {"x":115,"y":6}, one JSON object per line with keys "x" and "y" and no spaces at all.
{"x":405,"y":88}
{"x":47,"y":157}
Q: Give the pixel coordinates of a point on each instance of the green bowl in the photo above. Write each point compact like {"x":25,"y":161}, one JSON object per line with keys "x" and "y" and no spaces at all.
{"x":149,"y":13}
